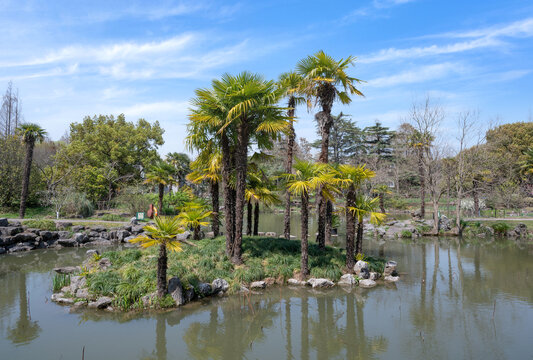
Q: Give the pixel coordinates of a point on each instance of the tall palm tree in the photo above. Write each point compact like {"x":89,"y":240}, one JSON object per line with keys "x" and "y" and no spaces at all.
{"x":30,"y":134}
{"x":365,"y":206}
{"x":352,"y":177}
{"x":160,"y":174}
{"x":326,"y":81}
{"x":163,"y":233}
{"x":206,"y":167}
{"x":381,"y":190}
{"x":420,"y":142}
{"x":292,"y":85}
{"x":306,"y":178}
{"x":258,"y":192}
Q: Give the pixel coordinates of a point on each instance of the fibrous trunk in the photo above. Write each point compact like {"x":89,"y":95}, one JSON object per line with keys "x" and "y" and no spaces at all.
{"x":382,"y":202}
{"x":359,"y":242}
{"x":241,"y":164}
{"x":215,"y":226}
{"x":162,"y":271}
{"x":304,"y":267}
{"x":26,"y":179}
{"x":161,"y":193}
{"x":288,"y":169}
{"x":350,"y":229}
{"x":249,"y":218}
{"x":329,"y":222}
{"x":229,"y":205}
{"x":256,"y":219}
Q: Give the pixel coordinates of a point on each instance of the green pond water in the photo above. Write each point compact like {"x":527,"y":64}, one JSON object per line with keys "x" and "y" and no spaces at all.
{"x":455,"y":300}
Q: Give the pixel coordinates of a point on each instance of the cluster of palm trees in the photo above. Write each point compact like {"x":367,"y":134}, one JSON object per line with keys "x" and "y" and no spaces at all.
{"x":244,"y":113}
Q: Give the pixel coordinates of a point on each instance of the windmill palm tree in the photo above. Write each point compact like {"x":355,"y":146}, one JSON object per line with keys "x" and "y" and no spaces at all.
{"x":420,"y":142}
{"x":181,"y":163}
{"x":258,"y":191}
{"x":365,"y":206}
{"x":194,"y":218}
{"x":162,"y":234}
{"x":352,"y":177}
{"x":292,"y":85}
{"x":30,"y":134}
{"x":160,"y":174}
{"x":382,"y":190}
{"x":307,"y":177}
{"x":206,"y":167}
{"x":326,"y":81}
{"x":238,"y":111}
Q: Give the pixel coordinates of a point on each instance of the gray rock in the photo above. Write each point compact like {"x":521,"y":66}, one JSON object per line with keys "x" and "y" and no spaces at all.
{"x":204,"y":289}
{"x":21,"y":247}
{"x":91,"y":253}
{"x":64,"y":234}
{"x":210,"y":235}
{"x":63,"y":224}
{"x":6,"y":240}
{"x":260,"y":233}
{"x":137,"y":229}
{"x":364,"y":274}
{"x":67,"y":242}
{"x":133,"y":221}
{"x":271,"y":234}
{"x":184,"y":236}
{"x":390,"y":268}
{"x":367,"y":283}
{"x":98,"y":228}
{"x":11,"y":230}
{"x":104,"y":263}
{"x":24,"y":237}
{"x":374,"y":276}
{"x":129,"y":238}
{"x":296,"y":282}
{"x":80,"y":238}
{"x":82,"y":293}
{"x":244,"y":290}
{"x":48,"y":235}
{"x":2,"y":250}
{"x":520,"y":230}
{"x":77,"y":282}
{"x":175,"y":289}
{"x":320,"y":283}
{"x":348,"y":279}
{"x":190,"y":295}
{"x":122,"y":235}
{"x":78,"y":305}
{"x":4,"y":222}
{"x":67,"y":270}
{"x":258,"y":285}
{"x":391,"y":278}
{"x":78,"y":228}
{"x":219,"y":285}
{"x":99,"y":242}
{"x":445,"y":224}
{"x":61,"y":299}
{"x":93,"y":234}
{"x":148,"y":299}
{"x":101,"y":302}
{"x":360,"y":265}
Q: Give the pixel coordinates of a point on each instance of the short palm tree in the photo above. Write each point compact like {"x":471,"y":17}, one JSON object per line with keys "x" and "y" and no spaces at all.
{"x":30,"y":134}
{"x":352,"y":177}
{"x":307,"y":177}
{"x":326,"y":81}
{"x":164,"y":234}
{"x":192,"y":216}
{"x":365,"y":206}
{"x":258,"y":193}
{"x":382,"y":190}
{"x":160,"y":174}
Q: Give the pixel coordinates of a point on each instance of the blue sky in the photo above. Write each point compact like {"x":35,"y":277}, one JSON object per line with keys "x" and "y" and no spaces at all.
{"x":70,"y":59}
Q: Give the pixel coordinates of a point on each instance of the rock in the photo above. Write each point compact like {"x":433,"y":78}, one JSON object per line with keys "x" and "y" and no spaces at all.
{"x":244,"y":290}
{"x":320,"y":283}
{"x":101,"y":302}
{"x":175,"y":289}
{"x":190,"y":295}
{"x":21,"y":247}
{"x":417,"y":215}
{"x":24,"y":237}
{"x":210,"y":235}
{"x":184,"y":236}
{"x":296,"y":282}
{"x":137,"y":229}
{"x":391,"y":278}
{"x":260,"y":233}
{"x":360,"y":265}
{"x":2,"y":250}
{"x":63,"y":224}
{"x":258,"y":285}
{"x":134,"y":221}
{"x":4,"y":222}
{"x":364,"y":274}
{"x":367,"y":283}
{"x":271,"y":234}
{"x":148,"y":299}
{"x":374,"y":276}
{"x":104,"y":263}
{"x":67,"y":270}
{"x":445,"y":224}
{"x":77,"y":282}
{"x":93,"y":234}
{"x":48,"y":235}
{"x":219,"y":285}
{"x":98,"y":228}
{"x":348,"y":279}
{"x":82,"y":293}
{"x":61,"y":299}
{"x":520,"y":230}
{"x":81,"y":238}
{"x":121,"y":235}
{"x":68,"y":242}
{"x":78,"y":305}
{"x":65,"y":289}
{"x":64,"y":234}
{"x":78,"y":228}
{"x":99,"y":242}
{"x":390,"y":268}
{"x":91,"y":253}
{"x":204,"y":289}
{"x":11,"y":230}
{"x":129,"y":238}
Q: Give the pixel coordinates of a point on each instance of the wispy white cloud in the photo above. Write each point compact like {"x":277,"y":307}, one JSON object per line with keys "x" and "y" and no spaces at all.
{"x":373,"y":9}
{"x":420,"y":74}
{"x":520,"y":28}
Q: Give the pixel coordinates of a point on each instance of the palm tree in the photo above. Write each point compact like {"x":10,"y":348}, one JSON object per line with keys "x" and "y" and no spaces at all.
{"x":365,"y":206}
{"x":206,"y":167}
{"x":291,"y":83}
{"x":421,"y":141}
{"x":192,"y":216}
{"x":381,"y":190}
{"x":306,"y":178}
{"x":163,"y":233}
{"x":30,"y":134}
{"x":238,"y":111}
{"x":181,"y":163}
{"x":160,"y":174}
{"x":258,"y":191}
{"x":326,"y":81}
{"x":352,"y":177}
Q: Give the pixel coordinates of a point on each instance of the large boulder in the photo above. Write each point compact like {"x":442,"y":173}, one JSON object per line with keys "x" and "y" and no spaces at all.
{"x":24,"y":237}
{"x":204,"y":289}
{"x":68,"y":242}
{"x":98,"y":228}
{"x":63,"y":234}
{"x":219,"y":285}
{"x":4,"y":222}
{"x":520,"y":230}
{"x":82,"y":293}
{"x":390,"y":268}
{"x":258,"y":285}
{"x":175,"y":289}
{"x":101,"y":303}
{"x":184,"y":235}
{"x":78,"y":228}
{"x":48,"y":235}
{"x":367,"y":283}
{"x":80,"y":238}
{"x":61,"y":299}
{"x":21,"y":247}
{"x":320,"y":283}
{"x":11,"y":230}
{"x":445,"y":224}
{"x":347,"y":280}
{"x":296,"y":282}
{"x":360,"y":266}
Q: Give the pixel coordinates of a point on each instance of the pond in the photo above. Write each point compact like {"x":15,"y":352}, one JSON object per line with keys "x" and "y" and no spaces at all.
{"x":455,"y":300}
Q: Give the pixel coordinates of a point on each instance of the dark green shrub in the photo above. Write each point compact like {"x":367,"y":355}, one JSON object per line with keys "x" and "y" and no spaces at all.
{"x":41,"y":224}
{"x":406,"y":234}
{"x":500,"y":228}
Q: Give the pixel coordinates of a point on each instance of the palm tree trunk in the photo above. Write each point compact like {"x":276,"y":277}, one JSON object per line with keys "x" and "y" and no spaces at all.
{"x":256,"y":219}
{"x":422,"y":180}
{"x":162,"y":271}
{"x":359,"y":242}
{"x":350,"y":229}
{"x":196,"y":233}
{"x":26,"y":179}
{"x":228,"y":194}
{"x":161,"y":193}
{"x":241,"y":165}
{"x":304,"y":267}
{"x":329,"y":222}
{"x":288,"y":170}
{"x":382,"y":202}
{"x":215,"y":226}
{"x":249,"y":218}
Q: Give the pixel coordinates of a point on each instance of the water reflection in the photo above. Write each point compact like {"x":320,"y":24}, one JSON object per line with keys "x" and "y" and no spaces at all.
{"x":24,"y":330}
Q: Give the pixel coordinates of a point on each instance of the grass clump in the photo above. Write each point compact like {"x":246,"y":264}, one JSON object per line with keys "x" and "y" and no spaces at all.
{"x":41,"y":224}
{"x":112,"y":217}
{"x":60,"y":281}
{"x":406,"y":234}
{"x":500,"y":228}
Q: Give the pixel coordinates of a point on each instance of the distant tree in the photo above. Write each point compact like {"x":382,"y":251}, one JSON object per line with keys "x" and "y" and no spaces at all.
{"x":160,"y":175}
{"x":10,"y":111}
{"x":378,"y":140}
{"x":181,"y":163}
{"x":30,"y":134}
{"x":11,"y":170}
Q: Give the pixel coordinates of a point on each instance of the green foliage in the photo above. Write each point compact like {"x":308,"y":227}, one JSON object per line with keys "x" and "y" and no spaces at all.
{"x":397,"y":203}
{"x":103,"y":283}
{"x":135,"y":199}
{"x":406,"y":234}
{"x":500,"y":228}
{"x":112,"y":217}
{"x":40,"y":224}
{"x":375,"y":264}
{"x":77,"y":204}
{"x":59,"y":281}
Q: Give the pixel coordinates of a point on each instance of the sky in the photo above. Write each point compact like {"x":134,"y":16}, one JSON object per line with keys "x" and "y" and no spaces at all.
{"x":71,"y":59}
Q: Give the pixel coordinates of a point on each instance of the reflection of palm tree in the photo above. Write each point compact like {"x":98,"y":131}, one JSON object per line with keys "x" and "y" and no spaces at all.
{"x":305,"y":328}
{"x":25,"y":329}
{"x":288,"y":328}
